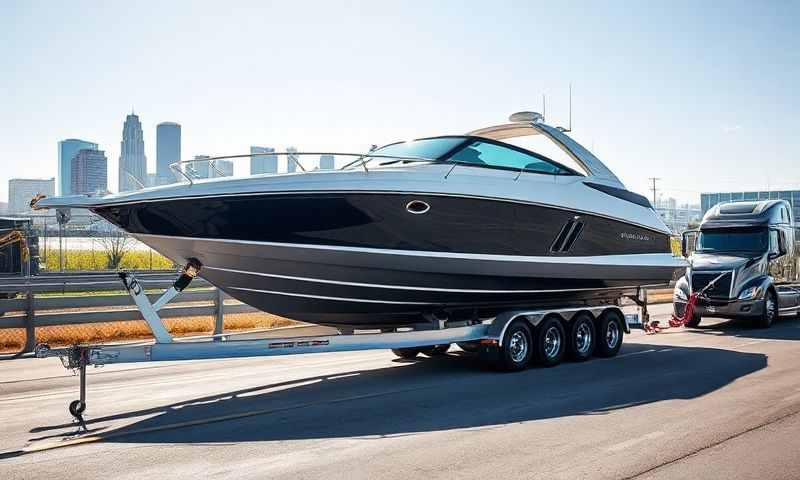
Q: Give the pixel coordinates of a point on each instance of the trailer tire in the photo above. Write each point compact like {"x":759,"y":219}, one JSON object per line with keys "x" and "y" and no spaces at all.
{"x":771,"y":310}
{"x":550,"y":341}
{"x":581,"y":339}
{"x":517,"y":350}
{"x":407,"y":353}
{"x":76,"y":408}
{"x":609,"y":333}
{"x":436,"y":350}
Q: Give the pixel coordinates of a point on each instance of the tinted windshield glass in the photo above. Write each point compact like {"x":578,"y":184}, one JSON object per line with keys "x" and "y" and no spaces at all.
{"x":733,"y":241}
{"x":431,"y":148}
{"x":490,"y":154}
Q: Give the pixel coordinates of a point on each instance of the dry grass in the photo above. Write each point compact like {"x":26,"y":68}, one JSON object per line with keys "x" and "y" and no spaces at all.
{"x":13,"y":339}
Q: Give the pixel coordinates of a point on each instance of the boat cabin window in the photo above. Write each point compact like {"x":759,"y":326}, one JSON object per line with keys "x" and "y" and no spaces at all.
{"x":431,"y":148}
{"x":478,"y":152}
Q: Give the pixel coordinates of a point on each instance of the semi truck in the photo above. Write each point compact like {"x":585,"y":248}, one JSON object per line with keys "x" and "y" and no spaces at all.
{"x":745,"y":257}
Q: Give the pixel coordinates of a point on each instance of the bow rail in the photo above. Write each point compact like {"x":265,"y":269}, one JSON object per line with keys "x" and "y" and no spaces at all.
{"x":361,"y":159}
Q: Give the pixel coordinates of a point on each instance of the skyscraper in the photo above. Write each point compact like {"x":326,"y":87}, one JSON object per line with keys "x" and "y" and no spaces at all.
{"x":66,"y":150}
{"x":263,"y":163}
{"x":22,"y":190}
{"x":132,"y":162}
{"x":168,"y":150}
{"x":291,"y":159}
{"x":89,"y":170}
{"x":326,"y":162}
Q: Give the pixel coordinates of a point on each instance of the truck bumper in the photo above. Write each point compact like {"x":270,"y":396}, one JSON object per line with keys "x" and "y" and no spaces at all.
{"x":726,"y":309}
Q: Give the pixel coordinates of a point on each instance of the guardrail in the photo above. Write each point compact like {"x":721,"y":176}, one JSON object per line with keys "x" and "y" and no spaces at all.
{"x":27,"y":307}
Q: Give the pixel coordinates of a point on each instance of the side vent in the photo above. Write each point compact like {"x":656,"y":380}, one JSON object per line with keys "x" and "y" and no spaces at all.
{"x":568,"y":235}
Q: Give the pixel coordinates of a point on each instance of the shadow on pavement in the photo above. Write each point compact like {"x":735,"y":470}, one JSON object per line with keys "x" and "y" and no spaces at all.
{"x":435,"y":394}
{"x":783,"y":329}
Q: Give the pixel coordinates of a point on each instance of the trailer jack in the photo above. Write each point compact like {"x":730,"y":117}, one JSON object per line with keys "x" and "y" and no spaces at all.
{"x":78,"y":357}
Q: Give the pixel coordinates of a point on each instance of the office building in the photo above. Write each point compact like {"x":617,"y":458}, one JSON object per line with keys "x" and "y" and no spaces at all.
{"x":222,"y":168}
{"x":66,"y":150}
{"x":262,"y":161}
{"x":677,"y":217}
{"x":132,"y":161}
{"x":708,"y":200}
{"x":326,"y":162}
{"x":89,"y":170}
{"x":168,"y":151}
{"x":200,"y":168}
{"x":22,"y":190}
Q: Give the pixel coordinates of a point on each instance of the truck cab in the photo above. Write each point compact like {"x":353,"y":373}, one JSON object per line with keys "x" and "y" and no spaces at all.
{"x":746,"y":251}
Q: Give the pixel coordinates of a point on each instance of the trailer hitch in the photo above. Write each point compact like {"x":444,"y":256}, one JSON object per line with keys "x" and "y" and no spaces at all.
{"x":676,"y":321}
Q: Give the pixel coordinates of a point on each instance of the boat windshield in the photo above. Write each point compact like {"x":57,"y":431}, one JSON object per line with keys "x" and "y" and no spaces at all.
{"x":471,"y":151}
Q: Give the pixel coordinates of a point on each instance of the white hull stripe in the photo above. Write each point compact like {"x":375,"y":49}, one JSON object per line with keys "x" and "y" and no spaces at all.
{"x":627,"y":260}
{"x":408,"y":287}
{"x":323,"y":297}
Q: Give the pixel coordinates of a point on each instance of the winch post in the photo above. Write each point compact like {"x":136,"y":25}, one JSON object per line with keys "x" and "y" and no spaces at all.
{"x":149,"y":310}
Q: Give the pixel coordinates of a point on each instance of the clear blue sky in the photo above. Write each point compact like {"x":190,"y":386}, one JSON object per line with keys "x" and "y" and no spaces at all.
{"x":703,"y":96}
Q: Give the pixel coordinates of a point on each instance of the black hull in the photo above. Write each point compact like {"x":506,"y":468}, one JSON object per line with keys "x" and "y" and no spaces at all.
{"x":362,"y":260}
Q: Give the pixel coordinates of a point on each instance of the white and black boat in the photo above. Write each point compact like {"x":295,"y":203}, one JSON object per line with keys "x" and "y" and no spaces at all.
{"x":450,"y":226}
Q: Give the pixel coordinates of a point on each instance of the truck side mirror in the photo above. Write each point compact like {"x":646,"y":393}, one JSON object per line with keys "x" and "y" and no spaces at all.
{"x":780,"y":245}
{"x":687,"y":242}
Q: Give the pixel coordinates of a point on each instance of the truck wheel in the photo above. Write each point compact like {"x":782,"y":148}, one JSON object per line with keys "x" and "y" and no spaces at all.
{"x":609,"y":334}
{"x":694,"y":321}
{"x":551,"y":340}
{"x":436,"y":350}
{"x":517,"y":349}
{"x":407,"y":353}
{"x":581,"y":337}
{"x":770,"y":313}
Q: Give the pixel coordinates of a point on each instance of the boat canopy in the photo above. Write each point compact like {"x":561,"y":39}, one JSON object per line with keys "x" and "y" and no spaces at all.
{"x":583,"y":157}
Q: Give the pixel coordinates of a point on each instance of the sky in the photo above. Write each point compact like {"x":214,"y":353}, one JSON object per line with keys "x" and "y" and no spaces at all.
{"x":701,"y":95}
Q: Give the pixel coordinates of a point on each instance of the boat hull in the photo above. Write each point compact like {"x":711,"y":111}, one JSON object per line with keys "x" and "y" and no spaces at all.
{"x":363,"y":260}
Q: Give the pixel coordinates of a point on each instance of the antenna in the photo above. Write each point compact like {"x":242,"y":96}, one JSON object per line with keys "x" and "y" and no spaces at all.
{"x":544,"y":108}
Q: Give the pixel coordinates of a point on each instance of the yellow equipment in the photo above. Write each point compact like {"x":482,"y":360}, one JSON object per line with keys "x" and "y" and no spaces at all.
{"x":12,"y":237}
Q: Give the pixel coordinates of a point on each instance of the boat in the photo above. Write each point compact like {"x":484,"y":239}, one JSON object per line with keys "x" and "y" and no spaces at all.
{"x":453,"y":227}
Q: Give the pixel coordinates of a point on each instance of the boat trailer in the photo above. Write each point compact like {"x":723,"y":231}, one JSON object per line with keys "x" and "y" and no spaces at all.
{"x":488,"y":334}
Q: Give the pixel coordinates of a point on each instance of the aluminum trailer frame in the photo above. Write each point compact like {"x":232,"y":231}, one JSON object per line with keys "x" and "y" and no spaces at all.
{"x":487,"y":332}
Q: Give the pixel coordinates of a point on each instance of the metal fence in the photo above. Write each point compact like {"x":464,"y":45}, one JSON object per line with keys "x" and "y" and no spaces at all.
{"x":83,"y":298}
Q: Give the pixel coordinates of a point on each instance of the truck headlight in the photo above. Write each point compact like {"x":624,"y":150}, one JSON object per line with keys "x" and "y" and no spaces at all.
{"x":679,"y":294}
{"x":750,"y":293}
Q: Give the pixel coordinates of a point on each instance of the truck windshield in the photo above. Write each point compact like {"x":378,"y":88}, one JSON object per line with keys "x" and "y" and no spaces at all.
{"x":733,"y":240}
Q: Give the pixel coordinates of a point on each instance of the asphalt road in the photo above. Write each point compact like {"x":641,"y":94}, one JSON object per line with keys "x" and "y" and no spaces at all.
{"x":720,"y":401}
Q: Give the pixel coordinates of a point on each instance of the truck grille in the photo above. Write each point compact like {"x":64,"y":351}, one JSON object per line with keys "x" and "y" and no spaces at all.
{"x":721,"y":289}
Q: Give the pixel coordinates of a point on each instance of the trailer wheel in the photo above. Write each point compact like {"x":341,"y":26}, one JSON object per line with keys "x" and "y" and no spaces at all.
{"x":76,"y":408}
{"x":407,"y":353}
{"x":582,"y":337}
{"x":517,"y":349}
{"x":436,"y":350}
{"x":609,"y":333}
{"x":550,"y":342}
{"x":770,"y":313}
